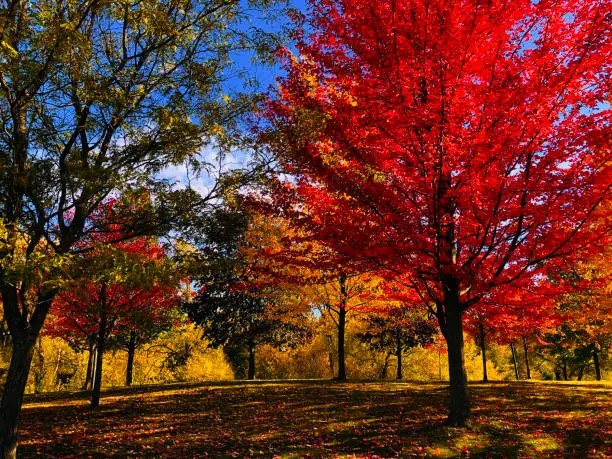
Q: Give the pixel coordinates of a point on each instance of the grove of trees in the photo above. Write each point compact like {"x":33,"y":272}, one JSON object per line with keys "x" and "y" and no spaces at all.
{"x":421,"y":171}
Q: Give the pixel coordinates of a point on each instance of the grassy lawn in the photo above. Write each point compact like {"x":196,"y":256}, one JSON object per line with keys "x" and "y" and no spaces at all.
{"x":321,"y":419}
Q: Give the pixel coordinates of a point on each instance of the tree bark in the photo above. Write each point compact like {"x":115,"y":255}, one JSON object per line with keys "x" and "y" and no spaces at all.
{"x":97,"y":384}
{"x":341,"y":329}
{"x":483,"y":350}
{"x":516,"y":372}
{"x":251,"y":370}
{"x":526,"y":358}
{"x":130,"y":360}
{"x":91,"y":366}
{"x":24,"y":334}
{"x":597,"y":366}
{"x":341,"y":358}
{"x":452,"y":328}
{"x":564,"y":368}
{"x":383,"y":372}
{"x":12,"y":398}
{"x":398,"y":355}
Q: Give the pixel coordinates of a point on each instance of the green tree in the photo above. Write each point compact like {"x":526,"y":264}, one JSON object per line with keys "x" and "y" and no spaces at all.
{"x":231,"y":312}
{"x":396,"y":332}
{"x":95,"y":96}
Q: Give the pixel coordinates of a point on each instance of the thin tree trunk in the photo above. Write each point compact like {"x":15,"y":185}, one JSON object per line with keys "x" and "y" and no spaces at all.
{"x":483,"y":350}
{"x":97,"y":384}
{"x":91,"y":365}
{"x":341,"y":359}
{"x":597,"y":366}
{"x":251,"y":370}
{"x":564,"y":368}
{"x":580,"y":373}
{"x":452,"y":328}
{"x":526,"y":357}
{"x":341,"y":329}
{"x":516,"y":372}
{"x":56,"y":370}
{"x":398,"y":355}
{"x":383,"y":373}
{"x":130,"y":360}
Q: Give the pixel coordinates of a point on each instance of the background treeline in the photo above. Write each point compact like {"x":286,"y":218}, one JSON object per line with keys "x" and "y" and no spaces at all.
{"x":181,"y":355}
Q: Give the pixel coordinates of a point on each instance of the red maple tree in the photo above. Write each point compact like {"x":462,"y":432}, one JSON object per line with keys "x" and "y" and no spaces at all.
{"x":461,"y":146}
{"x":126,"y":292}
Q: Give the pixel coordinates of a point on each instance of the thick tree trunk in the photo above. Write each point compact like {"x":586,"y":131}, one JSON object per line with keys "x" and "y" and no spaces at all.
{"x":130,"y":360}
{"x":91,"y":366}
{"x":526,"y":350}
{"x":597,"y":366}
{"x":12,"y":398}
{"x":516,"y":372}
{"x":97,"y":383}
{"x":24,"y":334}
{"x":483,"y":350}
{"x":251,"y":370}
{"x":452,"y":328}
{"x":398,"y":355}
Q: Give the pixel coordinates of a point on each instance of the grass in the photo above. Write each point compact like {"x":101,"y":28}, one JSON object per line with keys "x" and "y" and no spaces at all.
{"x":321,"y":419}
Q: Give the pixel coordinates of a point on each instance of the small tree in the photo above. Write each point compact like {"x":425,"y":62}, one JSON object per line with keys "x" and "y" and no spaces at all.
{"x":397,"y":331}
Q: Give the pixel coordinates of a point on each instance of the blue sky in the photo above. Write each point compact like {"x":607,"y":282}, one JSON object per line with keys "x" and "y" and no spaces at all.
{"x":180,"y":175}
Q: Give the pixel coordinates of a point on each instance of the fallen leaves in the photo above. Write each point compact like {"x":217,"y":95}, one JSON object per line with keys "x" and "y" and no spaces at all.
{"x":319,"y":419}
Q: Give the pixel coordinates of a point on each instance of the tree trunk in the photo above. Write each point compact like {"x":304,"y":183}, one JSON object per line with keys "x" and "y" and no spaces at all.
{"x":383,"y":373}
{"x":97,"y":383}
{"x":130,"y":360}
{"x":580,"y":373}
{"x":483,"y":350}
{"x":516,"y":372}
{"x":12,"y":398}
{"x":24,"y":334}
{"x":251,"y":371}
{"x":597,"y":366}
{"x":91,"y":366}
{"x":341,"y":360}
{"x":56,"y":371}
{"x":452,"y":328}
{"x":526,"y":358}
{"x":564,"y":368}
{"x":398,"y":355}
{"x":341,"y":329}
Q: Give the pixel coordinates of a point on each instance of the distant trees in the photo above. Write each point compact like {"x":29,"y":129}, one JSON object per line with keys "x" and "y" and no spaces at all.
{"x":397,"y":331}
{"x":233,"y":313}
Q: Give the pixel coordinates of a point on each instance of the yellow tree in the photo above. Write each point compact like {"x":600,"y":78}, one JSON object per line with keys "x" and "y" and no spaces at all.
{"x":309,"y":278}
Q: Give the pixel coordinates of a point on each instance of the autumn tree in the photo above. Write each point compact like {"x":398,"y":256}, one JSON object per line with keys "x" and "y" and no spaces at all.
{"x":460,"y":146}
{"x":396,"y":331}
{"x":231,"y":311}
{"x":309,"y":276}
{"x":96,"y":96}
{"x":128,"y":292}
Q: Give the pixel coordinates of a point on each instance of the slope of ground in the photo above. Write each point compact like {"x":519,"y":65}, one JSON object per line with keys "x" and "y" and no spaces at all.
{"x":321,"y":419}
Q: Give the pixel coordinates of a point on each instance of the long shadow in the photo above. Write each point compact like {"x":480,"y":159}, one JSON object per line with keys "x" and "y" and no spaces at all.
{"x":317,"y":419}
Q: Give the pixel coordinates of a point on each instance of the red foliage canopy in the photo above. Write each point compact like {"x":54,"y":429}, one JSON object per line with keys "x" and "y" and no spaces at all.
{"x":460,"y":142}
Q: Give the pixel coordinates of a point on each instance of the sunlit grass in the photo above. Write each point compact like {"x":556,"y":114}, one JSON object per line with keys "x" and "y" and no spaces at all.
{"x":321,"y":419}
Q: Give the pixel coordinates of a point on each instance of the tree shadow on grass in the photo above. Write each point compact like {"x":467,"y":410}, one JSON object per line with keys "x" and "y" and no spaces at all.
{"x":318,"y":419}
